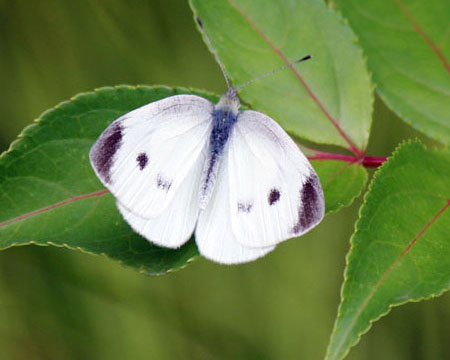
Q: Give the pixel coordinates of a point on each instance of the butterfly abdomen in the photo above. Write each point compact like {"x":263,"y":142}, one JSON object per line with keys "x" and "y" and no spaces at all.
{"x":223,"y":122}
{"x":224,"y":118}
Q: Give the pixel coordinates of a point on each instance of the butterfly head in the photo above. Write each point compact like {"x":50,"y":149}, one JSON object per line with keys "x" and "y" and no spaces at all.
{"x":229,"y":101}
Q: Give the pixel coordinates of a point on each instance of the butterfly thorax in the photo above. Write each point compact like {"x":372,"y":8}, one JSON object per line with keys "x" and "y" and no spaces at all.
{"x":224,"y":117}
{"x":229,"y":102}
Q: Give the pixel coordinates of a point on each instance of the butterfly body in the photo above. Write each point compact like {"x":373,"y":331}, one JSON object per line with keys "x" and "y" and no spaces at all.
{"x":182,"y":165}
{"x":224,"y":116}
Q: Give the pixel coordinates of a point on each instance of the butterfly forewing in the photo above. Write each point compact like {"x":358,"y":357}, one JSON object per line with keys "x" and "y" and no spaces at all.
{"x":154,"y":160}
{"x":175,"y":225}
{"x":145,"y":156}
{"x":274,"y":193}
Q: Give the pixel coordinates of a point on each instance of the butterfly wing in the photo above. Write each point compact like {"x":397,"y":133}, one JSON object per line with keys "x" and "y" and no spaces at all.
{"x":175,"y":225}
{"x":214,"y":237}
{"x":144,"y":157}
{"x":274,"y":192}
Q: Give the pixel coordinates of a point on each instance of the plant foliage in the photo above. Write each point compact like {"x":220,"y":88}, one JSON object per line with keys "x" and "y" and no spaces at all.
{"x":400,"y":249}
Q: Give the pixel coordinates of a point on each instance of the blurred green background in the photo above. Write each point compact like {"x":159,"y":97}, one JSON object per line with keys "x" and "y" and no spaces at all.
{"x":61,"y":304}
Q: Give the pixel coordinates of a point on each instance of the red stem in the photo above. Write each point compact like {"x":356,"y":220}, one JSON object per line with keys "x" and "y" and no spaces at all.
{"x":373,"y":161}
{"x":364,"y":160}
{"x":352,"y":147}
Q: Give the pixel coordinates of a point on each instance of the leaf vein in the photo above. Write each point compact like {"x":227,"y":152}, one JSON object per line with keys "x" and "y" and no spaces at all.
{"x":423,"y":34}
{"x":277,"y":51}
{"x":389,"y":271}
{"x":53,"y":206}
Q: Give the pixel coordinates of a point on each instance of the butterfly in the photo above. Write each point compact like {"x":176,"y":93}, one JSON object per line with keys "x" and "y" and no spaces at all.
{"x":183,"y":165}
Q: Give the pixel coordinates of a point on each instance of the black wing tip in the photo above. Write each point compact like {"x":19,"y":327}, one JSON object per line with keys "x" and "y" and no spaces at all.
{"x":312,"y":207}
{"x":103,"y":151}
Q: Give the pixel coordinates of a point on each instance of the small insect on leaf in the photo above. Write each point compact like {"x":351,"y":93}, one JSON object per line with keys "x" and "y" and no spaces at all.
{"x":176,"y":165}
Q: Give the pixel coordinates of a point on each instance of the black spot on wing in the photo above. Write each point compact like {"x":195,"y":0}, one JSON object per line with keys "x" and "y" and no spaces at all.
{"x":102,"y":153}
{"x":142,"y":160}
{"x":162,"y":183}
{"x":245,"y":208}
{"x":274,"y":196}
{"x":311,"y":207}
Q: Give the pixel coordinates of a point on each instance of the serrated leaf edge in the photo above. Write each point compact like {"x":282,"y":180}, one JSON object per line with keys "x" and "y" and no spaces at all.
{"x":359,"y":49}
{"x":76,"y":98}
{"x":367,"y":196}
{"x":385,"y":100}
{"x":351,"y":146}
{"x":141,"y":269}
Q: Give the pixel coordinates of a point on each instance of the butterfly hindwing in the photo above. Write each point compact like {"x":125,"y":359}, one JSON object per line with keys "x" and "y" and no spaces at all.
{"x":214,"y":236}
{"x":154,"y":160}
{"x":144,"y":157}
{"x":274,"y":192}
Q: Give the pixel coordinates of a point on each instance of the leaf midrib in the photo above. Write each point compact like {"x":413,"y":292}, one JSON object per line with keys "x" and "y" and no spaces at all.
{"x":280,"y":54}
{"x":396,"y":66}
{"x":388,"y":272}
{"x":54,"y":206}
{"x":414,"y":23}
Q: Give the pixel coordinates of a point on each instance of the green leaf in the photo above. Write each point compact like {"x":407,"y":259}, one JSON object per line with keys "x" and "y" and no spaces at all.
{"x":341,"y":182}
{"x":327,"y":99}
{"x":400,"y":250}
{"x":408,"y":48}
{"x":50,"y":194}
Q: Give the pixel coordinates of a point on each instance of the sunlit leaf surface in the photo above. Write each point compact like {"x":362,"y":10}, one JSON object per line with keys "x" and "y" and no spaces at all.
{"x":408,"y":50}
{"x":327,"y":99}
{"x":400,"y":250}
{"x":50,"y":194}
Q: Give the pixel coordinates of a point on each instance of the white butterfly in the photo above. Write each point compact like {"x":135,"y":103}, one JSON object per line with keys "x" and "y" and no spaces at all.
{"x":182,"y":165}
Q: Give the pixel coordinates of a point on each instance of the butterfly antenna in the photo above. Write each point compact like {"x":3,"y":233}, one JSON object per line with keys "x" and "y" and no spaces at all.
{"x":200,"y":24}
{"x":307,"y":57}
